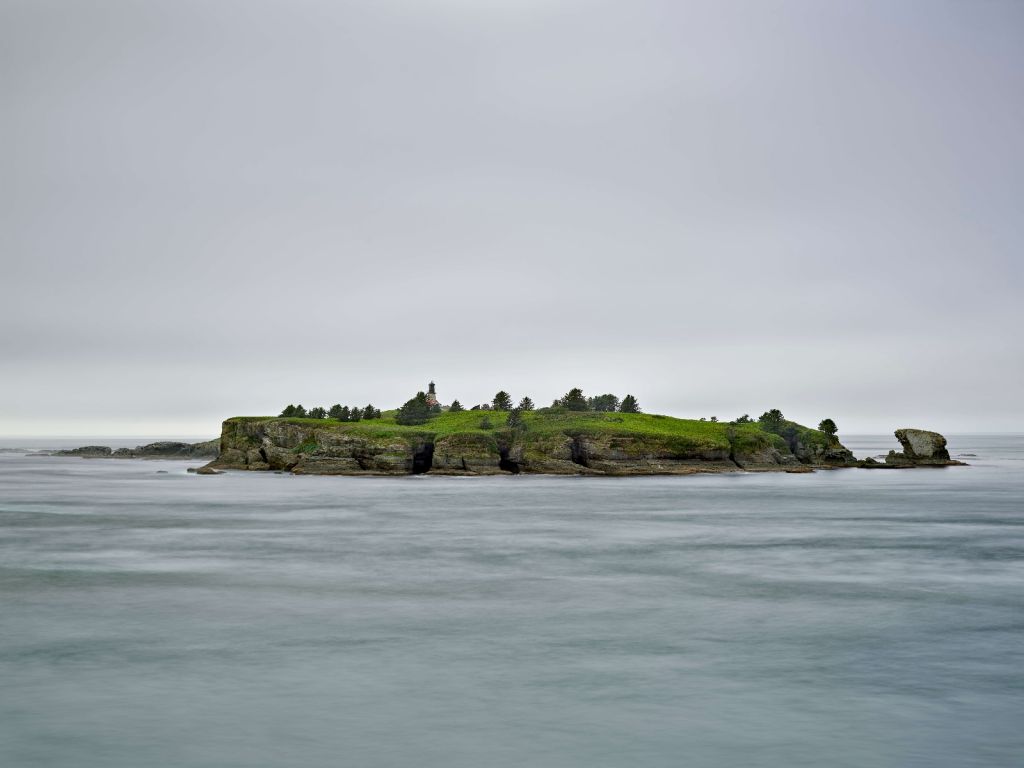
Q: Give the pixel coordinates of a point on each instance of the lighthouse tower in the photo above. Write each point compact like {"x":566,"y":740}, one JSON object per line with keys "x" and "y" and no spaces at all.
{"x":431,"y":395}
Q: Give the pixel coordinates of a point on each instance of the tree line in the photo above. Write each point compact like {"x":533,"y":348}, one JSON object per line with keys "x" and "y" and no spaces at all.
{"x":774,"y":421}
{"x":502,"y":401}
{"x":337,"y":412}
{"x":418,"y":410}
{"x":575,"y":400}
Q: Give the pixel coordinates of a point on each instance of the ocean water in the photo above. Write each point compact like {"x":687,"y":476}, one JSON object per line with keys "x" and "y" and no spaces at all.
{"x":149,"y":617}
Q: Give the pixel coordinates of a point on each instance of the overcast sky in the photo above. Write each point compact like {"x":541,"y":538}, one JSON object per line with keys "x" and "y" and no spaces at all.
{"x":216,"y":208}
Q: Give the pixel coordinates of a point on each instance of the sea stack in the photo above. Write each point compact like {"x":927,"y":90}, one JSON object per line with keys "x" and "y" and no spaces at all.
{"x":921,"y":448}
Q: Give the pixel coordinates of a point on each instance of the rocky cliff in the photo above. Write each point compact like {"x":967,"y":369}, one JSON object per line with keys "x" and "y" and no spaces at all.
{"x":921,"y":448}
{"x":577,"y":444}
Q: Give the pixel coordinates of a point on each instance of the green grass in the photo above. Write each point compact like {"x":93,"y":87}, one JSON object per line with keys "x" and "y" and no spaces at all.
{"x":685,"y":433}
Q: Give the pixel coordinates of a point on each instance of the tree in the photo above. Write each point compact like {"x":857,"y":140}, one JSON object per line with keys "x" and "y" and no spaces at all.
{"x":300,"y":412}
{"x":744,"y":419}
{"x":485,"y":423}
{"x":317,"y":413}
{"x":455,"y":407}
{"x":502,"y":401}
{"x":629,"y":405}
{"x":606,"y":403}
{"x":515,"y":420}
{"x":828,"y":427}
{"x":414,"y":411}
{"x":772,"y":420}
{"x":369,"y":412}
{"x":334,"y":412}
{"x":574,"y":400}
{"x":713,"y":418}
{"x":289,"y":410}
{"x":355,"y":414}
{"x":475,"y":408}
{"x":526,"y":404}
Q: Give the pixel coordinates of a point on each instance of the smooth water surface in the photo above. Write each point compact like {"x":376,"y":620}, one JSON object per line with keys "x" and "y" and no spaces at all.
{"x":846,"y":618}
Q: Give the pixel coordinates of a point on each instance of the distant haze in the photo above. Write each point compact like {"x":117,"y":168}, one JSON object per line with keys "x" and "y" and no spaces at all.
{"x":217,"y":208}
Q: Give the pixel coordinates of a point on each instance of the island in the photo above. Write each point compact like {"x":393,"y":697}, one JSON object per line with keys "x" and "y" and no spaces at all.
{"x":575,"y":436}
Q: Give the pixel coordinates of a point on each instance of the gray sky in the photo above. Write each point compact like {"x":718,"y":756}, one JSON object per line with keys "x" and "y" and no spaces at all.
{"x":217,"y":208}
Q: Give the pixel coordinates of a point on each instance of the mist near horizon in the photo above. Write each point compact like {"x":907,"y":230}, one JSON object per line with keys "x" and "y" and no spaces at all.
{"x":216,"y":209}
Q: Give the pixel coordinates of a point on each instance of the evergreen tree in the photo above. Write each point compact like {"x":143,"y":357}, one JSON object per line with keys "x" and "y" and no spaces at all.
{"x":744,"y":419}
{"x":369,"y":412}
{"x":502,"y":401}
{"x":526,"y":404}
{"x":515,"y":420}
{"x":317,"y":413}
{"x":475,"y":408}
{"x":772,"y":420}
{"x":629,"y":405}
{"x":289,"y":410}
{"x":335,"y":412}
{"x":456,"y":407}
{"x":355,"y":414}
{"x":414,"y":411}
{"x":574,"y":400}
{"x":345,"y":414}
{"x":828,"y":427}
{"x":713,"y":418}
{"x":603,"y":403}
{"x":485,"y":423}
{"x":300,"y":412}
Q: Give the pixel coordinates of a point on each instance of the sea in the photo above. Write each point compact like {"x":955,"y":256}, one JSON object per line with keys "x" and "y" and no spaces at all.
{"x":152,"y":617}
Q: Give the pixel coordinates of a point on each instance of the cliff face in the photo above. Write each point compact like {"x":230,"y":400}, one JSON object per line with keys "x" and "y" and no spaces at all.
{"x":277,"y":444}
{"x":305,"y":446}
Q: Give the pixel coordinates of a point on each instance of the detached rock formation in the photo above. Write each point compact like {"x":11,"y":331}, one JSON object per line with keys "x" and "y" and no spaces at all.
{"x":921,"y":448}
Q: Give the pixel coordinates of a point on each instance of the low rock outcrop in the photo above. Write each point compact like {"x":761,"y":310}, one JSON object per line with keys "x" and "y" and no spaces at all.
{"x":159,"y":450}
{"x":87,"y":452}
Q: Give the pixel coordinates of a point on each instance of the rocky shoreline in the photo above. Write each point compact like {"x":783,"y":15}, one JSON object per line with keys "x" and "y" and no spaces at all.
{"x":282,"y":446}
{"x":159,"y":450}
